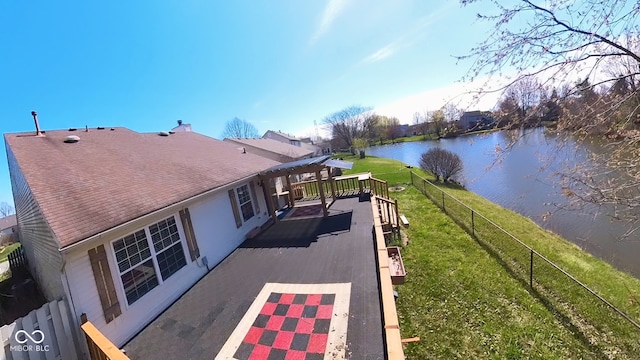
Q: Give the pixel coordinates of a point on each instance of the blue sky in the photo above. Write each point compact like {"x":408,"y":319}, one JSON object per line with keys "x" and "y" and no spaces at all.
{"x":278,"y":64}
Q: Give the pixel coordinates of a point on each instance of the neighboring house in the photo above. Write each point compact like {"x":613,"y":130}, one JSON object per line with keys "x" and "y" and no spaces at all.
{"x":272,"y":149}
{"x":8,"y":229}
{"x":475,"y":120}
{"x":404,"y":130}
{"x":8,"y":225}
{"x":122,"y":223}
{"x":282,"y":137}
{"x":304,"y":143}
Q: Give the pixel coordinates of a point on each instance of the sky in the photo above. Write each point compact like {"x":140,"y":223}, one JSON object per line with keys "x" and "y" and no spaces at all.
{"x":281,"y":64}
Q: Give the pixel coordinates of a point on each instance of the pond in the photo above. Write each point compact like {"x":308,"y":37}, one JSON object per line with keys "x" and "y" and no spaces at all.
{"x":522,"y":179}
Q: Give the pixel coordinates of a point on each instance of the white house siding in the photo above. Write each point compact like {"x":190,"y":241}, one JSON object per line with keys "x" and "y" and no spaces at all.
{"x":215,"y":227}
{"x":136,"y":316}
{"x":217,"y":236}
{"x":40,"y":245}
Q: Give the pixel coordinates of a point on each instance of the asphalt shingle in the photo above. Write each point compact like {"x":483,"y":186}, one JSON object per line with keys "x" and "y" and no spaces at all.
{"x":114,"y":175}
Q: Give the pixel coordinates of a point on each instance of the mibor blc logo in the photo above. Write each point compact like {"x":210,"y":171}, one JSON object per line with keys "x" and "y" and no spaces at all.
{"x":29,"y":341}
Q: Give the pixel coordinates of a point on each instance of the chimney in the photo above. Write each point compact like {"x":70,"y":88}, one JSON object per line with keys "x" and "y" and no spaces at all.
{"x":35,"y":119}
{"x":179,"y":122}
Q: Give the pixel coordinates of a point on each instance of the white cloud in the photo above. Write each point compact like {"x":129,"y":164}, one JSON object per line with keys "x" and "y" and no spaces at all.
{"x":381,"y":54}
{"x":410,"y":37}
{"x":331,"y":12}
{"x":463,"y":95}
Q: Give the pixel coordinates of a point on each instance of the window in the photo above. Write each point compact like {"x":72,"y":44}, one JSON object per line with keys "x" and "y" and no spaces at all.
{"x":140,"y":260}
{"x":244,"y":199}
{"x":166,"y":243}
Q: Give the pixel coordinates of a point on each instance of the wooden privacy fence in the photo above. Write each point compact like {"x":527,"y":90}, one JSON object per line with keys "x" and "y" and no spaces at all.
{"x":46,"y":333}
{"x":17,"y":260}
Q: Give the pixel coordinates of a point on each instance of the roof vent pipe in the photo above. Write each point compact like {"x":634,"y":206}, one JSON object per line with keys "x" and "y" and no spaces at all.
{"x":35,"y":119}
{"x":179,"y":122}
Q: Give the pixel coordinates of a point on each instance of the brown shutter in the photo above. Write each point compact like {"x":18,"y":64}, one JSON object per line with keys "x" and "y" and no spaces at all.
{"x":234,"y":207}
{"x":104,"y":283}
{"x":252,"y":187}
{"x":190,"y":235}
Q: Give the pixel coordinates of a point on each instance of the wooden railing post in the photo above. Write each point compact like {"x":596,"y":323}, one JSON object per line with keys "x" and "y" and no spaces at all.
{"x":100,"y":347}
{"x":397,"y":214}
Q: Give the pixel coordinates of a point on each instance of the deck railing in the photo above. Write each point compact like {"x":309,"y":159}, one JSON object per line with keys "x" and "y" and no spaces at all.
{"x":379,"y":187}
{"x":388,"y":210}
{"x":390,"y":322}
{"x":100,"y":347}
{"x":343,"y":185}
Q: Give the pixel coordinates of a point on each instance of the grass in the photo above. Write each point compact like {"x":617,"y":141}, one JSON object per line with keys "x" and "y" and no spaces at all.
{"x":408,"y":139}
{"x":464,"y":301}
{"x":6,"y":250}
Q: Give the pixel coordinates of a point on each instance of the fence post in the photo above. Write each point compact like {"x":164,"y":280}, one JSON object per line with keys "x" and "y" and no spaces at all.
{"x":531,"y":270}
{"x":443,"y":209}
{"x":473,"y":224}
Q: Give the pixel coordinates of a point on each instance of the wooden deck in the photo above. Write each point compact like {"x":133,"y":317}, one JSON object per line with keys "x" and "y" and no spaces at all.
{"x":332,"y":250}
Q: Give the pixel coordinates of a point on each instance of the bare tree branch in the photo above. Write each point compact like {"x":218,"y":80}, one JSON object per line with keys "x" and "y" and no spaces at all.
{"x":240,"y":129}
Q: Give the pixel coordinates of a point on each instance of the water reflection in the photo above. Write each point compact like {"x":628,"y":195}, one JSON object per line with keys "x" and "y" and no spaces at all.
{"x":524,"y":179}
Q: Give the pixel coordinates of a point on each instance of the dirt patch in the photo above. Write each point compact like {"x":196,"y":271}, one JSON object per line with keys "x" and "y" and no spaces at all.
{"x":396,"y":188}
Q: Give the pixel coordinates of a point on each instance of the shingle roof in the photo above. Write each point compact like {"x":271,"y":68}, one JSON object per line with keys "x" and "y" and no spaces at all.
{"x":8,"y":222}
{"x":275,"y":146}
{"x":287,"y":136}
{"x":112,"y":176}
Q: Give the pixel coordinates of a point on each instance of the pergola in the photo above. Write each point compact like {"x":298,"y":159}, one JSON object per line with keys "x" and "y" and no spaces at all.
{"x":310,"y":165}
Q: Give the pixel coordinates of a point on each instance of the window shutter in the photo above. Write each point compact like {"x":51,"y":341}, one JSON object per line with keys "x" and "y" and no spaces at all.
{"x":254,"y":198}
{"x":104,"y":283}
{"x":234,"y":207}
{"x":194,"y":251}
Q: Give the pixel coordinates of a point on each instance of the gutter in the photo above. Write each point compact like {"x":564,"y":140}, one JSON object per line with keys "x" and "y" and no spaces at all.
{"x":71,"y":247}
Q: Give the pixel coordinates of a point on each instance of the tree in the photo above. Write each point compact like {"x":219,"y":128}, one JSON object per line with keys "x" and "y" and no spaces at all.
{"x":350,"y":123}
{"x":438,"y":122}
{"x":550,"y":109}
{"x":451,"y":113}
{"x":508,"y":111}
{"x":526,"y":92}
{"x":442,"y":164}
{"x":556,"y":40}
{"x":394,"y":129}
{"x":421,"y":122}
{"x":6,"y":209}
{"x":239,"y":128}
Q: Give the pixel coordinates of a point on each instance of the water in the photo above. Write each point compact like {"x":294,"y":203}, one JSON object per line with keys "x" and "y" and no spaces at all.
{"x":524,"y":179}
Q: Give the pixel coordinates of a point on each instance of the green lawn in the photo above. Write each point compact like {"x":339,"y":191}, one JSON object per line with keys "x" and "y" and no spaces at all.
{"x":6,"y":250}
{"x":464,"y":302}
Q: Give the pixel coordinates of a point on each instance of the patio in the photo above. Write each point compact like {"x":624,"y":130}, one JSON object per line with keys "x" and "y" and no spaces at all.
{"x":307,"y":286}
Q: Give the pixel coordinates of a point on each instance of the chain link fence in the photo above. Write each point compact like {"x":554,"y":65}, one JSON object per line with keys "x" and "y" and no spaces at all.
{"x":604,"y":325}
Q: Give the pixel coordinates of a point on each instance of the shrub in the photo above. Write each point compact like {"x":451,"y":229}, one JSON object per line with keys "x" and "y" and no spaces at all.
{"x":442,"y":164}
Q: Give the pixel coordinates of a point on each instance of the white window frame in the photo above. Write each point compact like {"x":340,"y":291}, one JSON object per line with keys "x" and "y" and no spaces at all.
{"x":251,"y":200}
{"x":154,"y":258}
